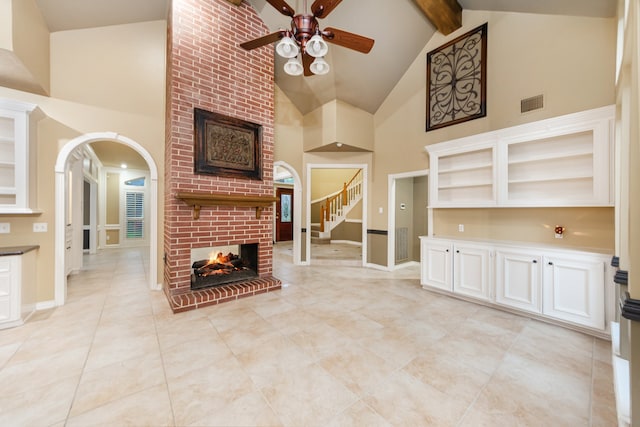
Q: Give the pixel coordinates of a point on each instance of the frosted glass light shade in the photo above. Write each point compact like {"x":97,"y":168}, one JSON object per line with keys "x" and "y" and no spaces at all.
{"x":316,"y":46}
{"x":319,"y":66}
{"x":287,"y":48}
{"x":293,"y":67}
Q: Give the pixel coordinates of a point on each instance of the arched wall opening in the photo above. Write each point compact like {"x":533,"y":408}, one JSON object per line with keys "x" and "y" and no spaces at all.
{"x":297,"y":210}
{"x":60,"y":278}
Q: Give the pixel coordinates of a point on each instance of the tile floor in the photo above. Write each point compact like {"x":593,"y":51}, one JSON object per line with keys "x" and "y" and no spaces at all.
{"x":339,"y":346}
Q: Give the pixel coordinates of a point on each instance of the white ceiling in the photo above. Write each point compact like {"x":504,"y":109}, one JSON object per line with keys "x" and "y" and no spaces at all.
{"x":399,"y":28}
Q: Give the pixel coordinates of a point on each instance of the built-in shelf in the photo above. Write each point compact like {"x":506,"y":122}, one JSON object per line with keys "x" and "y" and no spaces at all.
{"x":197,"y":200}
{"x":18,"y":167}
{"x":562,"y":161}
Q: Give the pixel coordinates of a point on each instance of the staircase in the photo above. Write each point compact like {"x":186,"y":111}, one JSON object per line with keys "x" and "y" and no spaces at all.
{"x":335,"y":208}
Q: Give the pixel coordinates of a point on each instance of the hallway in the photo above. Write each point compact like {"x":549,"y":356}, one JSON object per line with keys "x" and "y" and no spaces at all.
{"x":336,"y":346}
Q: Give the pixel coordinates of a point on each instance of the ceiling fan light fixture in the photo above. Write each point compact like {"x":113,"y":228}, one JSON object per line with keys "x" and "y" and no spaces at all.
{"x":293,"y":67}
{"x":316,"y":46}
{"x":319,"y":66}
{"x":287,"y":48}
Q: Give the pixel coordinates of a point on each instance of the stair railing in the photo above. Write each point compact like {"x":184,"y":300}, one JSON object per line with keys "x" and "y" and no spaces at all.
{"x":333,"y":206}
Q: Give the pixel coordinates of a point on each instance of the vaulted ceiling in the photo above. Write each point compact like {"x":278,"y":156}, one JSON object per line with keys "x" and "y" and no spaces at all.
{"x":400,"y":29}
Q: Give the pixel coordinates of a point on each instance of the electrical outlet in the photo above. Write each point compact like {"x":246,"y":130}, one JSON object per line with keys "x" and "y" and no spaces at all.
{"x":39,"y":227}
{"x":461,"y":227}
{"x":5,"y":227}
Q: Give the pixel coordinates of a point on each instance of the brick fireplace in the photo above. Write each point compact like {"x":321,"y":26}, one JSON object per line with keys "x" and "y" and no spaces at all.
{"x":206,"y":69}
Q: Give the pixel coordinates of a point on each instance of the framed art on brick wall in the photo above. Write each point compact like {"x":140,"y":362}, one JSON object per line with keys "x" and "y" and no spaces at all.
{"x":457,"y":80}
{"x":227,"y":146}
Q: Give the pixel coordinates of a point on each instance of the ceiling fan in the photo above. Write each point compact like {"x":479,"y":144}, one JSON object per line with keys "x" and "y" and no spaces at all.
{"x":306,"y":38}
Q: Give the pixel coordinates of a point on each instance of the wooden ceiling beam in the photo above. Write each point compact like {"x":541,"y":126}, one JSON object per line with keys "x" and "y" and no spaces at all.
{"x":446,"y":15}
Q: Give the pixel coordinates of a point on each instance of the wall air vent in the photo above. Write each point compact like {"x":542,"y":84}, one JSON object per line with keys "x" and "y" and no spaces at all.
{"x":530,"y":104}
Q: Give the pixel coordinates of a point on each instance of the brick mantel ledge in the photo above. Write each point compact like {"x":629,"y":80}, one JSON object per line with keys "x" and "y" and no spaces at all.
{"x":197,"y":200}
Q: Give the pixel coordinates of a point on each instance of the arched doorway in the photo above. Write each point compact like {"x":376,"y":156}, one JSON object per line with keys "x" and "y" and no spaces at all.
{"x":60,"y":278}
{"x":297,"y":210}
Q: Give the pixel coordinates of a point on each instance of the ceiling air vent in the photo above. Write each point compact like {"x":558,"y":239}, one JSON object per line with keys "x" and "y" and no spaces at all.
{"x":530,"y":104}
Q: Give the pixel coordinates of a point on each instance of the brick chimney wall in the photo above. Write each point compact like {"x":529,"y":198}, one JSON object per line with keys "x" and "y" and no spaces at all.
{"x":207,"y":69}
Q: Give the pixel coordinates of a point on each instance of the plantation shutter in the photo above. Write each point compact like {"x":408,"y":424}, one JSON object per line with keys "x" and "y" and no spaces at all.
{"x":135,"y":215}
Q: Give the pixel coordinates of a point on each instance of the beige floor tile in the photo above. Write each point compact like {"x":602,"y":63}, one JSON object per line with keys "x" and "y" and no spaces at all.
{"x":7,"y":351}
{"x":187,"y":356}
{"x":204,"y":391}
{"x":45,"y":370}
{"x":482,"y":356}
{"x":150,"y":407}
{"x":320,"y":340}
{"x":523,"y":385}
{"x":266,"y":362}
{"x":360,"y":370}
{"x":180,"y":332}
{"x":39,"y":406}
{"x":248,"y":410}
{"x":113,"y":382}
{"x":307,"y":396}
{"x":358,"y":415}
{"x":406,"y":401}
{"x":460,"y":381}
{"x":118,"y":349}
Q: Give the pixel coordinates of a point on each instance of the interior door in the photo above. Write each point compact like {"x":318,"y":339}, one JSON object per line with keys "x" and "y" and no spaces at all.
{"x":284,"y":214}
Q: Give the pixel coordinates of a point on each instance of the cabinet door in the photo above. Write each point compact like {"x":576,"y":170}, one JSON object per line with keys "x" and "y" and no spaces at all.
{"x":436,"y":264}
{"x":519,"y":280}
{"x":472,"y":271}
{"x":8,"y":309}
{"x":574,"y":290}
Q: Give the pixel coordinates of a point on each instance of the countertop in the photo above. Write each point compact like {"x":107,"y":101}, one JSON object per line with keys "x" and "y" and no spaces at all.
{"x":17,"y":250}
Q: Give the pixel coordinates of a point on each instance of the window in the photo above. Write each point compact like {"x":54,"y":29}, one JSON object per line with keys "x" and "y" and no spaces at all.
{"x":135,"y":182}
{"x":134,"y":215}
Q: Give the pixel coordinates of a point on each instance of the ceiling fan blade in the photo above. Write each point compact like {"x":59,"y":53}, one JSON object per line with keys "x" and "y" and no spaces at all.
{"x":263,"y":41}
{"x":348,"y":40}
{"x":306,"y":63}
{"x":282,"y":7}
{"x":321,"y":8}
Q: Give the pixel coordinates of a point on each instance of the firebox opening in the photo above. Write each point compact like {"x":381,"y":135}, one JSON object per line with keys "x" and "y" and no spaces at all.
{"x":221,"y":265}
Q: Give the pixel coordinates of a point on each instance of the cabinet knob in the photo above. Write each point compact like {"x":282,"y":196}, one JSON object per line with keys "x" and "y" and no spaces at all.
{"x":447,"y":250}
{"x":550,"y":263}
{"x":457,"y":251}
{"x":535,"y":261}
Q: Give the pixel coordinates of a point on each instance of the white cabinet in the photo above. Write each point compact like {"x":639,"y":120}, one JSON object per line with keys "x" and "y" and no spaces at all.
{"x":560,"y":284}
{"x":435,"y":267}
{"x":563,"y":161}
{"x":574,"y":289}
{"x":472,"y":270}
{"x":519,"y":279}
{"x":460,"y":267}
{"x":18,"y":121}
{"x":17,"y":285}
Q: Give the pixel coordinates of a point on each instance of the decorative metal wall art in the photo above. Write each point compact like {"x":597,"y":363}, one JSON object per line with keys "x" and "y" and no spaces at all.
{"x":227,"y":146}
{"x":456,"y":80}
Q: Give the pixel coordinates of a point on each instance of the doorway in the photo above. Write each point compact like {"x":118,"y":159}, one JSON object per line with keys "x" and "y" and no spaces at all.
{"x":408,"y":217}
{"x":284,"y":214}
{"x":61,"y":187}
{"x":354,"y":235}
{"x":285,"y":176}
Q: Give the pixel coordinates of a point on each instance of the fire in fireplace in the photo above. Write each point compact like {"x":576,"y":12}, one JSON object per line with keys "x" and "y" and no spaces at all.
{"x":226,"y":264}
